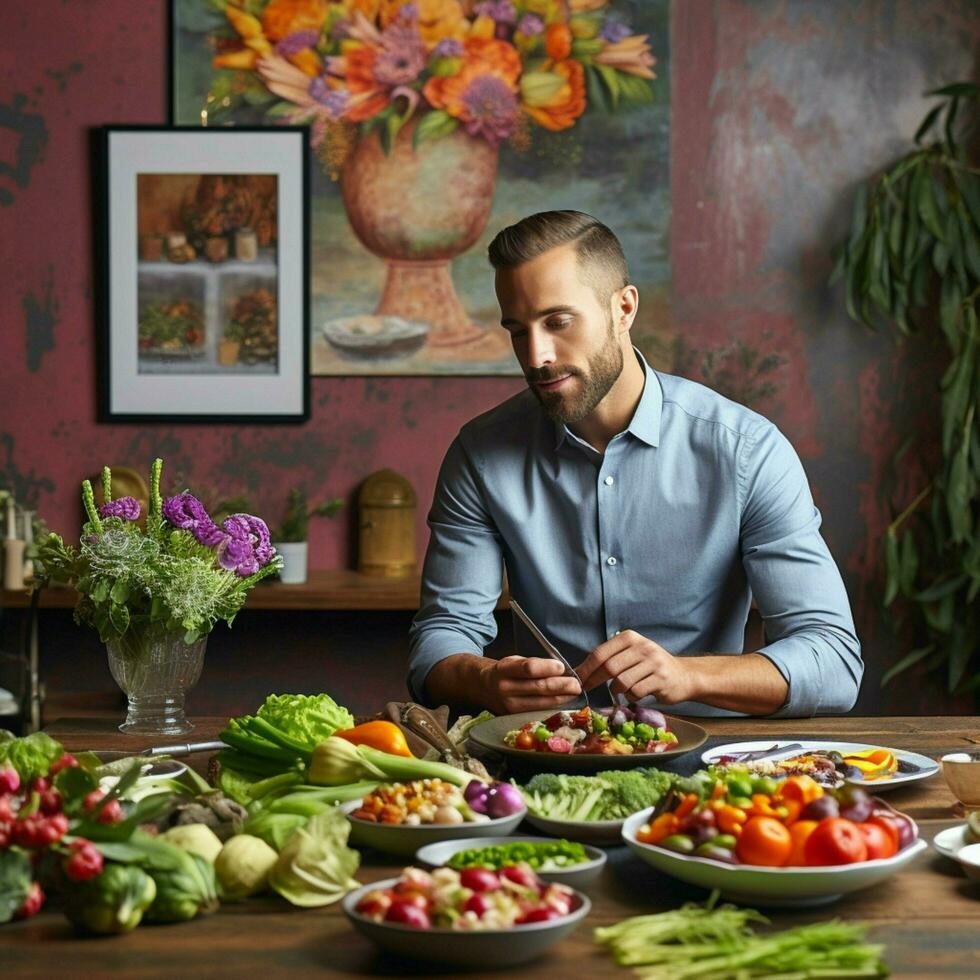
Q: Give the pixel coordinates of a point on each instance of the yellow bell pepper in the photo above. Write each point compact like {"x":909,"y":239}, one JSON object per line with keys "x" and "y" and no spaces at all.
{"x":385,"y":736}
{"x":874,"y":763}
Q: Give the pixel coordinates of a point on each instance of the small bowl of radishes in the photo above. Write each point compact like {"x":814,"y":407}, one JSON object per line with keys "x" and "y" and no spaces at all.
{"x":470,"y":918}
{"x":399,"y":818}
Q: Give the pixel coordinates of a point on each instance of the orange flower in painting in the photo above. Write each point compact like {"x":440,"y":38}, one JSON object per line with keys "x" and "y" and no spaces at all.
{"x":631,"y":55}
{"x":483,"y":94}
{"x":567,"y":104}
{"x":254,"y":41}
{"x":368,"y":98}
{"x":284,"y":17}
{"x":558,"y":41}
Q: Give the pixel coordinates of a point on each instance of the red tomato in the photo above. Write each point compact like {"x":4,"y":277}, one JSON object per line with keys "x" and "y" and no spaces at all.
{"x":835,"y":841}
{"x":525,"y":740}
{"x":406,"y":914}
{"x":890,"y":825}
{"x":879,"y":841}
{"x":765,"y":841}
{"x":479,"y":879}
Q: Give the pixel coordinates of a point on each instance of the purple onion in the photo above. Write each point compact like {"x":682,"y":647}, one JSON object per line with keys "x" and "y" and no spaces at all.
{"x":649,"y":716}
{"x":618,"y":718}
{"x":504,"y":801}
{"x":476,"y":795}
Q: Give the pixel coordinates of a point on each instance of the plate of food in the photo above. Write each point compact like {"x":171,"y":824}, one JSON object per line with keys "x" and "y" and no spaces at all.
{"x":399,"y":818}
{"x":569,"y":862}
{"x":584,"y":740}
{"x":799,"y":845}
{"x":829,"y":763}
{"x":473,"y":918}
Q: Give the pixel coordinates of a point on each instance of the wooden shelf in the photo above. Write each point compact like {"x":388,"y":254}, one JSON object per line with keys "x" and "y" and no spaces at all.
{"x":337,"y":589}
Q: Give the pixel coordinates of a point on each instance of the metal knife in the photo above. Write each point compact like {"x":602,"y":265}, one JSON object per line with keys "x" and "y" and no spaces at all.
{"x":758,"y":754}
{"x":546,"y":645}
{"x":188,"y":748}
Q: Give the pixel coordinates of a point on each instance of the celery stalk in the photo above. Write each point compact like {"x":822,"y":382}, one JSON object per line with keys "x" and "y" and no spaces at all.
{"x":401,"y":768}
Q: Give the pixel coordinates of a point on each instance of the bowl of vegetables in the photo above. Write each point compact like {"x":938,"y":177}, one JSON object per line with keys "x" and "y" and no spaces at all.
{"x":399,"y":818}
{"x":565,"y":861}
{"x":788,"y":842}
{"x":469,"y":918}
{"x":591,"y":809}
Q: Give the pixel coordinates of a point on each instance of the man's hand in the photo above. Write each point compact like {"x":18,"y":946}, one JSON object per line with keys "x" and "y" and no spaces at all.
{"x":638,"y":667}
{"x":515,"y":684}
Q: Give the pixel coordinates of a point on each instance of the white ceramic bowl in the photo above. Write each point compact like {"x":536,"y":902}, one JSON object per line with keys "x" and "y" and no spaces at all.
{"x":958,"y":844}
{"x":405,"y":839}
{"x":961,"y":770}
{"x":575,"y":875}
{"x":788,"y":887}
{"x":487,"y":949}
{"x":583,"y":831}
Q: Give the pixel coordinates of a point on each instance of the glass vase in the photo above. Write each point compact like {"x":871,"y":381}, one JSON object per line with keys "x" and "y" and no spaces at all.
{"x":155,"y":671}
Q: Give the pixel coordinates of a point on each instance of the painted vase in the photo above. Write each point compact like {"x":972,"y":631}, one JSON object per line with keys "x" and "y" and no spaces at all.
{"x":418,"y":208}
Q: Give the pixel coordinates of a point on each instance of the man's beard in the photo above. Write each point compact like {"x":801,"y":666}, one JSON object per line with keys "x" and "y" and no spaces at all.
{"x":605,"y":366}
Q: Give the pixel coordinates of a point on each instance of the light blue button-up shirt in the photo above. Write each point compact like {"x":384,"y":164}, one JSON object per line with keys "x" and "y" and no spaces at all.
{"x":699,"y":506}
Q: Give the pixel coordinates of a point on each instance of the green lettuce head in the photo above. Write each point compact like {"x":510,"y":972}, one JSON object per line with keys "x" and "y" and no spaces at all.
{"x":310,"y":718}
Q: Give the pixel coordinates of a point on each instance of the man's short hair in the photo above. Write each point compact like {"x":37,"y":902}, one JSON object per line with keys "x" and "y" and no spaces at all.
{"x":599,"y":253}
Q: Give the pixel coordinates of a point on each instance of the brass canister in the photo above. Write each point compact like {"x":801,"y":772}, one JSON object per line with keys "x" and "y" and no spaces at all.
{"x":386,"y":523}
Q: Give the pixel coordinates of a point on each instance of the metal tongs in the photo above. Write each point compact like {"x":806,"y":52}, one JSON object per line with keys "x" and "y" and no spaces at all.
{"x":548,"y":647}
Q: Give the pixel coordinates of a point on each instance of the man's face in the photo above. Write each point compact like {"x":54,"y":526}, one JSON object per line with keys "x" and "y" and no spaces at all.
{"x":563,"y":335}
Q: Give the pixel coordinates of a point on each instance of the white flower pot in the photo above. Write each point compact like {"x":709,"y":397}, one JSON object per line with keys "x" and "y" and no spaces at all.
{"x":293,"y":553}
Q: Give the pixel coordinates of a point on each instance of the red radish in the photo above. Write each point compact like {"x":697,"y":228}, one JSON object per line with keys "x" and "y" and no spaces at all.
{"x":540,"y":914}
{"x":555,"y":897}
{"x":407,"y":914}
{"x":479,"y":879}
{"x":9,"y":780}
{"x":479,"y":904}
{"x":521,"y":874}
{"x":374,"y":904}
{"x":558,"y":744}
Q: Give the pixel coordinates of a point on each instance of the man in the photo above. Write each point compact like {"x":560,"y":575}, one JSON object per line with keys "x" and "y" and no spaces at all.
{"x":637,"y":515}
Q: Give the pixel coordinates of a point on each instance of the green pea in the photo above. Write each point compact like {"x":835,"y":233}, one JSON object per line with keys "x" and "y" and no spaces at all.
{"x":678,"y":842}
{"x":765,"y":785}
{"x":739,"y":786}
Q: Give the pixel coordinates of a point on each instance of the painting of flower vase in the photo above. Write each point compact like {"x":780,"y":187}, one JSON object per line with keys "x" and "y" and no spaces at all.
{"x":434,"y":124}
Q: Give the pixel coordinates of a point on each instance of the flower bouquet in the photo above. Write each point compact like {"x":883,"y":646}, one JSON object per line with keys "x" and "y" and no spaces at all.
{"x":154,"y":594}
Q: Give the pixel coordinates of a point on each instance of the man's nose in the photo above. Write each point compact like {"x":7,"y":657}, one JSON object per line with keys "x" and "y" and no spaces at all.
{"x":540,"y":349}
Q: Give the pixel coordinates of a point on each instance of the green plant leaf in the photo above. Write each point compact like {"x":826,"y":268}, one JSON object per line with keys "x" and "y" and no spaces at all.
{"x":907,"y":661}
{"x":926,"y":203}
{"x":892,"y":576}
{"x":120,"y":591}
{"x":931,"y":116}
{"x":959,"y":657}
{"x":434,"y":125}
{"x":119,"y":617}
{"x":908,"y":562}
{"x":941,"y":589}
{"x":101,"y":591}
{"x":958,"y":89}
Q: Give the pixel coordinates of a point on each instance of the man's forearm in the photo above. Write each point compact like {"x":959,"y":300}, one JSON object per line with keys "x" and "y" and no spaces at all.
{"x":747,"y":682}
{"x":458,"y":681}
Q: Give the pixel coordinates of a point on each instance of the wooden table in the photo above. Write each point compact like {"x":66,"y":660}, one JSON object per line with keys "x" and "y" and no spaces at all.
{"x":927,"y":915}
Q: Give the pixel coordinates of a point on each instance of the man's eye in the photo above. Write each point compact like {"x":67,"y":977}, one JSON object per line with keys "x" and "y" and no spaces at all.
{"x":559,"y":324}
{"x":517,"y":334}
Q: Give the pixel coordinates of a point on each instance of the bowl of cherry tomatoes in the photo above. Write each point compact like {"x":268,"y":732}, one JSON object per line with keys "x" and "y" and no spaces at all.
{"x":789,"y":842}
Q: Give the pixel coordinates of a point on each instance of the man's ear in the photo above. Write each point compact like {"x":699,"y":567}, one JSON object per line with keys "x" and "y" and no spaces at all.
{"x":625,"y":303}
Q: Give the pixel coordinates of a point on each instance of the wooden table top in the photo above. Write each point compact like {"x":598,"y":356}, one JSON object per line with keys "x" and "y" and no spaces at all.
{"x":926,"y":916}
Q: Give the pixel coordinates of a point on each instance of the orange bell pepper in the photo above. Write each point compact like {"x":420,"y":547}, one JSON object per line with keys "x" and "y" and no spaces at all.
{"x":385,"y":736}
{"x":730,"y":819}
{"x":803,"y":789}
{"x":687,"y":805}
{"x":654,"y":833}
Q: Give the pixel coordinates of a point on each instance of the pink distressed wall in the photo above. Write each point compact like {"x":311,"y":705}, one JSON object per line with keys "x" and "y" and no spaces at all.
{"x":779,"y":108}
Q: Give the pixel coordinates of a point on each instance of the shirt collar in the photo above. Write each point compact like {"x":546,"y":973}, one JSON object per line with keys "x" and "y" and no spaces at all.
{"x":645,"y":424}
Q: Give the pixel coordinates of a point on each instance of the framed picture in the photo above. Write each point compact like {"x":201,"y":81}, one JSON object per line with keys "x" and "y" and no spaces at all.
{"x":432,"y":127}
{"x":204,"y":304}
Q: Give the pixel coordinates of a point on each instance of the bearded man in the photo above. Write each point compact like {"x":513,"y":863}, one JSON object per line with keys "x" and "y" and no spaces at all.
{"x":637,"y":515}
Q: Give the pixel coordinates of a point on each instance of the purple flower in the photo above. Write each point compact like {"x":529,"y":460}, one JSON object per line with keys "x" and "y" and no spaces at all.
{"x":448,"y":47}
{"x":296,"y":42}
{"x":530,"y":25}
{"x":237,"y":556}
{"x":409,"y":11}
{"x":334,"y":99}
{"x":340,"y":29}
{"x":401,"y":58}
{"x":501,"y":11}
{"x":127,"y":508}
{"x":491,"y":107}
{"x":186,"y":512}
{"x":614,"y":31}
{"x":247,"y":546}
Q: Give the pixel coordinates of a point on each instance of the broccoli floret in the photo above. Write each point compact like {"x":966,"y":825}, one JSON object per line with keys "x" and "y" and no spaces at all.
{"x":600,"y":724}
{"x":544,"y":782}
{"x":634,"y":790}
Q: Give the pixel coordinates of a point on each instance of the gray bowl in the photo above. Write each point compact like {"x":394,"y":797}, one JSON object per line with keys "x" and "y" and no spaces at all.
{"x":479,"y":950}
{"x":584,"y":831}
{"x":575,"y":875}
{"x":404,"y":840}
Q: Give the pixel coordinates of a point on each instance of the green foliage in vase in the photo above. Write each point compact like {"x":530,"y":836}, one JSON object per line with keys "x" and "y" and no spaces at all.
{"x":182,"y":573}
{"x":913,"y":259}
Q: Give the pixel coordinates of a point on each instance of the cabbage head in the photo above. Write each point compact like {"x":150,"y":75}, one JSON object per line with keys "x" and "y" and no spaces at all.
{"x":310,"y":718}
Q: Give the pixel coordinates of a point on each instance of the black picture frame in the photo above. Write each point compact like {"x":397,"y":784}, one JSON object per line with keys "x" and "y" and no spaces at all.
{"x":195,"y":299}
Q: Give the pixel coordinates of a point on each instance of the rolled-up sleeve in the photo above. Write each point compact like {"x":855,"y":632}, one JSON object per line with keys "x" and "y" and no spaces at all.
{"x":463,"y":573}
{"x":810,"y":635}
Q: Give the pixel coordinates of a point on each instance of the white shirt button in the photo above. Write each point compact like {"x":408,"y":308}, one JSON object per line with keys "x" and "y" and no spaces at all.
{"x":609,"y":481}
{"x":610,"y":560}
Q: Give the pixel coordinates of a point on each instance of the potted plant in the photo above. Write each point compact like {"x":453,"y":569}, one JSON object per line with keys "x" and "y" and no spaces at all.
{"x":155,"y":593}
{"x":912,"y":259}
{"x":292,"y":535}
